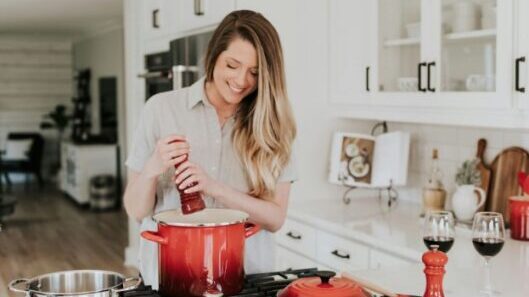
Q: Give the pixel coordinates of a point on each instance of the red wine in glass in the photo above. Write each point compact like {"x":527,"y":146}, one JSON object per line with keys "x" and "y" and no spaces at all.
{"x":444,"y":243}
{"x":488,"y":247}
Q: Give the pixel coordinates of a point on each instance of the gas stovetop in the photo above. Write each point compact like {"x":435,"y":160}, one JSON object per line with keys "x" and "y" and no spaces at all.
{"x":255,"y":285}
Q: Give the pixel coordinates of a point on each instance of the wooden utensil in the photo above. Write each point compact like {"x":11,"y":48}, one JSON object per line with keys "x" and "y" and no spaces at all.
{"x":504,"y":179}
{"x":373,"y":287}
{"x":483,"y":169}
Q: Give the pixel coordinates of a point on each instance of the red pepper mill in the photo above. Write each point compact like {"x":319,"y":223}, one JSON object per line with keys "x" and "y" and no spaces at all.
{"x":434,"y":262}
{"x":190,"y":202}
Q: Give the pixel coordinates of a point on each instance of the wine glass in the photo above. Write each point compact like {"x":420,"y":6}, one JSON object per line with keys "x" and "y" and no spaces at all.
{"x":439,"y":229}
{"x":488,"y":234}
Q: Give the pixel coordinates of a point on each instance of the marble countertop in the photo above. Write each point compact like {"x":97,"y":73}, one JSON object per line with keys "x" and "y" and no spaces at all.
{"x":399,"y":232}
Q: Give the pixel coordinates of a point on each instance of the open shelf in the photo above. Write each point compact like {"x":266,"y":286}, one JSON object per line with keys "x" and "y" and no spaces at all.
{"x":478,"y":34}
{"x":402,"y":42}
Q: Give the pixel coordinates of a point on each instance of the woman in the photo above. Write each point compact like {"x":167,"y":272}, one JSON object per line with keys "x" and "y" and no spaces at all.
{"x":238,"y":128}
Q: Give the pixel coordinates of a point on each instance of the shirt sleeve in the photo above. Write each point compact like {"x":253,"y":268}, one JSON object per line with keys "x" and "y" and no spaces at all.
{"x":289,"y":173}
{"x":144,"y":138}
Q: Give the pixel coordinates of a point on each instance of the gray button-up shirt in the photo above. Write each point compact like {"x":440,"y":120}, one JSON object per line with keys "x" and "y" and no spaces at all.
{"x":188,"y":112}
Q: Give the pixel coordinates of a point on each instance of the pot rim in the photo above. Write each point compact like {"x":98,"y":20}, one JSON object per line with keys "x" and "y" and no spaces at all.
{"x":237,"y":217}
{"x":36,"y":278}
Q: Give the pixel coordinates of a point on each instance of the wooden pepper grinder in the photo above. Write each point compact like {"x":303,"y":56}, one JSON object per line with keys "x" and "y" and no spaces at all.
{"x":434,"y":261}
{"x":190,"y":202}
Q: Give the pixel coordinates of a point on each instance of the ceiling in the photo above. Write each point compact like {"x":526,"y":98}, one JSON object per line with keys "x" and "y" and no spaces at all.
{"x":69,"y":17}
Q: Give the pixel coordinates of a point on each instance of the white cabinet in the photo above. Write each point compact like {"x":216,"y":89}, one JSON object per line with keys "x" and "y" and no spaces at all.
{"x":79,"y":163}
{"x":286,"y":259}
{"x":196,"y":14}
{"x":300,"y":246}
{"x":341,"y":254}
{"x":427,"y":60}
{"x":350,"y":62}
{"x":298,"y":237}
{"x":154,"y":19}
{"x":521,"y":54}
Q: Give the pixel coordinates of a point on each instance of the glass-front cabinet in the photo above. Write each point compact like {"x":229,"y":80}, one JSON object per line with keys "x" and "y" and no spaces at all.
{"x":447,"y":53}
{"x":399,"y":45}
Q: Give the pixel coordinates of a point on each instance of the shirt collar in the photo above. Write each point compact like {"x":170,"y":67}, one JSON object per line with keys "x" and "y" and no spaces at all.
{"x":196,"y":94}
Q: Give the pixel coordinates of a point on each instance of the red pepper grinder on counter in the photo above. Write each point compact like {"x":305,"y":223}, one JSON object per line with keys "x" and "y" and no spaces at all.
{"x":190,"y":202}
{"x":434,"y":261}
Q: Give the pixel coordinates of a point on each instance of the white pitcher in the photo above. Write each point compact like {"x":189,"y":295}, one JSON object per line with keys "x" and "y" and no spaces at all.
{"x":467,"y":200}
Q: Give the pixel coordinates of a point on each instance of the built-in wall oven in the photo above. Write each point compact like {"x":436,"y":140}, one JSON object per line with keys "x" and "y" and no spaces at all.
{"x":158,"y":75}
{"x":187,"y":55}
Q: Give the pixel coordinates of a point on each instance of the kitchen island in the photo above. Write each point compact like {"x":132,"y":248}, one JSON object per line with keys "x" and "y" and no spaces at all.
{"x":398,"y":232}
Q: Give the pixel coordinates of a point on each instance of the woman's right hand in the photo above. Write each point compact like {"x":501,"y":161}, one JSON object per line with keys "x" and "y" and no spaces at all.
{"x":168,"y":152}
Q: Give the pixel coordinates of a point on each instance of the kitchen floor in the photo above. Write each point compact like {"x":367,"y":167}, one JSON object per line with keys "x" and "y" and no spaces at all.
{"x":48,"y":232}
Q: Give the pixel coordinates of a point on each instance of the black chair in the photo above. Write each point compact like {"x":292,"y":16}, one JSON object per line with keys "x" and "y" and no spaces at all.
{"x":34,"y":162}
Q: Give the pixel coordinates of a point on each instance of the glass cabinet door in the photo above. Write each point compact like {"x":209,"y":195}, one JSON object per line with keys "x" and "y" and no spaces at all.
{"x":399,"y":42}
{"x":468,"y":46}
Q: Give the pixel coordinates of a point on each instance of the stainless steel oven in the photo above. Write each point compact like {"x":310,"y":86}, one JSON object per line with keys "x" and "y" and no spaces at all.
{"x":187,"y":55}
{"x":158,"y":75}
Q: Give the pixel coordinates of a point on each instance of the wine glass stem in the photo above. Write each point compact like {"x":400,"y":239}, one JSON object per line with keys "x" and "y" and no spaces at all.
{"x":488,"y":285}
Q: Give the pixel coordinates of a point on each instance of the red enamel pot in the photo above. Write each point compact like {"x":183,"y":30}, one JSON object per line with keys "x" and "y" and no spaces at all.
{"x":201,"y":254}
{"x":323,"y":285}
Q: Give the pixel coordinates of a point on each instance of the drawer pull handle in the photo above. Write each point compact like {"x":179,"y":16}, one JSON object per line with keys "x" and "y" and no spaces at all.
{"x":341,"y":255}
{"x":293,"y":236}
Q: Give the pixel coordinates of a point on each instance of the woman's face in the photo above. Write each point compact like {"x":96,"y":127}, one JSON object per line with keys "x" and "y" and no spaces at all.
{"x":235,"y":73}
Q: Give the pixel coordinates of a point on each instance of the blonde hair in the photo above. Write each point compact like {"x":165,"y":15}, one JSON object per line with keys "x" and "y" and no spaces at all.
{"x":264,"y":127}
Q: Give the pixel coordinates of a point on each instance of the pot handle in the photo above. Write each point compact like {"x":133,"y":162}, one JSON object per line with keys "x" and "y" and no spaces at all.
{"x":137,"y":283}
{"x":481,"y":196}
{"x":14,"y":283}
{"x":154,"y":236}
{"x":250,"y":229}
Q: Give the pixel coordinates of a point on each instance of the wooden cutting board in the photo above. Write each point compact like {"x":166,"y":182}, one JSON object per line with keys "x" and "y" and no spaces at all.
{"x":504,"y":179}
{"x":483,"y":168}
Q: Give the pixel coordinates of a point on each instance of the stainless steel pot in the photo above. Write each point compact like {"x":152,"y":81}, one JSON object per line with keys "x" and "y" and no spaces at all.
{"x":78,"y":283}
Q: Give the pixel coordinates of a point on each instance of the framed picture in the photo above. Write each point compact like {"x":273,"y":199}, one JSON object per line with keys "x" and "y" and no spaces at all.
{"x":351,"y":159}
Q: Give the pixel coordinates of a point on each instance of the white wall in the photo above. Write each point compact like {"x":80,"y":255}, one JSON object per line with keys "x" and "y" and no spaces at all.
{"x":35,"y":76}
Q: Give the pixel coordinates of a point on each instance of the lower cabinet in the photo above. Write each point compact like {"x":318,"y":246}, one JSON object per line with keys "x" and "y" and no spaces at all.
{"x":301,"y":246}
{"x":79,"y":163}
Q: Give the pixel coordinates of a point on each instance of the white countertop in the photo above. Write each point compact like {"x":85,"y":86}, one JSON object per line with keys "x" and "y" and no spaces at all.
{"x":399,"y":232}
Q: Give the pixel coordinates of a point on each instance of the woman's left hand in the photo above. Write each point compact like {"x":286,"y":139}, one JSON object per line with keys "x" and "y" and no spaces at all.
{"x":191,"y":175}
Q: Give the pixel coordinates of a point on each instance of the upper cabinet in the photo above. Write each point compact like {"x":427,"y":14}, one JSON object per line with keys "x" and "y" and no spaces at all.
{"x":350,"y":68}
{"x":521,"y":54}
{"x":437,"y":56}
{"x":154,"y":20}
{"x":196,"y":14}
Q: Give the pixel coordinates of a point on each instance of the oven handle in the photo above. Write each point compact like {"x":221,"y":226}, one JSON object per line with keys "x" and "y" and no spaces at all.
{"x":178,"y":78}
{"x":155,"y":74}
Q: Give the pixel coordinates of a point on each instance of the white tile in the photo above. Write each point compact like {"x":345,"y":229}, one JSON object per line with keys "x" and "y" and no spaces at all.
{"x":512,"y":139}
{"x":441,"y":134}
{"x":470,"y":137}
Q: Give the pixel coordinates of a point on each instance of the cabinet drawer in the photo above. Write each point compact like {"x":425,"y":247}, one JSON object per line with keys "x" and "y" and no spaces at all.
{"x":340,"y":253}
{"x":298,"y":237}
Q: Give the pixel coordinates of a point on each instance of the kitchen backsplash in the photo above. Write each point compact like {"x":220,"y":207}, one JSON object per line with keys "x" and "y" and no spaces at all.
{"x":455,"y":144}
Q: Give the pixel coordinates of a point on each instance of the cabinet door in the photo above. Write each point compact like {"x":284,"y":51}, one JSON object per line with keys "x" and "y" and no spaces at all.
{"x":154,"y":22}
{"x":474,"y":60}
{"x":521,"y":77}
{"x":195,"y":14}
{"x":287,"y":259}
{"x":400,"y":27}
{"x":350,"y":38}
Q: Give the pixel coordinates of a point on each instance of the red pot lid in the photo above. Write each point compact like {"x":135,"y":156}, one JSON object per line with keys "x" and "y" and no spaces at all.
{"x":324,"y":284}
{"x":209,"y":217}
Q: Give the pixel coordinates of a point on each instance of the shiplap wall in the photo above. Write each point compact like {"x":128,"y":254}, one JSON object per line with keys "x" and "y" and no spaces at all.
{"x":35,"y":76}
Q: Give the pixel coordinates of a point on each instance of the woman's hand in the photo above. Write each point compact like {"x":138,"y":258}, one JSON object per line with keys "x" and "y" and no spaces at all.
{"x":168,"y":152}
{"x":191,"y":175}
